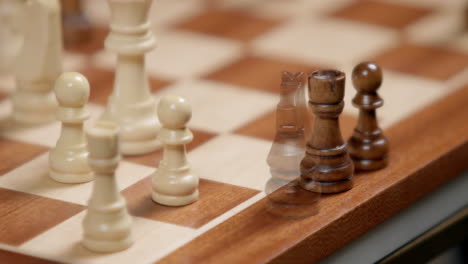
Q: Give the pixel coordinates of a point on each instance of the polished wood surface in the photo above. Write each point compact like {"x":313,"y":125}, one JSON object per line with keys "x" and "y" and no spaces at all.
{"x":368,"y":147}
{"x":439,"y":153}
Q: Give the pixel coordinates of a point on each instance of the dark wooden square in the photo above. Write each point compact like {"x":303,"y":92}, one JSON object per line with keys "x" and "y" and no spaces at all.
{"x":24,"y":216}
{"x":392,"y":15}
{"x":233,"y":24}
{"x":215,"y":199}
{"x":259,"y":73}
{"x":14,"y":153}
{"x":94,"y":44}
{"x":424,"y":61}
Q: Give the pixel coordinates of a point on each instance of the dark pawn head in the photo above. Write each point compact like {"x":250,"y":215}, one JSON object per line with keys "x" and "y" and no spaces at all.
{"x":367,"y":77}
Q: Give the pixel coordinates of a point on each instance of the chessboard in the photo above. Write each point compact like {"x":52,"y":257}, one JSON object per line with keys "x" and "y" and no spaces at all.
{"x":225,"y":57}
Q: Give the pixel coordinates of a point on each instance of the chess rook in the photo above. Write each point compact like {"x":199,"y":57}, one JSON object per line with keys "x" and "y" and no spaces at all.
{"x":368,"y":146}
{"x":107,"y":224}
{"x":326,"y":167}
{"x":131,"y":104}
{"x":68,"y":160}
{"x":174,"y":184}
{"x":288,"y":146}
{"x":39,"y":62}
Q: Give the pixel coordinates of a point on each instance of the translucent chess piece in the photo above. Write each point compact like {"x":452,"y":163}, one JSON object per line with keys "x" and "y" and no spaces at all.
{"x":285,"y":197}
{"x":107,"y":224}
{"x":173,"y":182}
{"x":68,"y":160}
{"x":39,"y":62}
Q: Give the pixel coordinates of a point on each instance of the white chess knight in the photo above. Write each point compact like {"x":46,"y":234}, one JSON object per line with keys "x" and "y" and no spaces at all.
{"x":68,"y":160}
{"x":131,"y":104}
{"x":173,"y":183}
{"x":39,"y":62}
{"x":107,"y":225}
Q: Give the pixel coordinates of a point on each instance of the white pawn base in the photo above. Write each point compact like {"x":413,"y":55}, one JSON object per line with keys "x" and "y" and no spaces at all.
{"x":107,"y":246}
{"x":71,"y":177}
{"x":171,"y":200}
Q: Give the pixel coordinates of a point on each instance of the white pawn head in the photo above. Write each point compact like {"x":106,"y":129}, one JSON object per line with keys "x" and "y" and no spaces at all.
{"x":174,"y":112}
{"x":72,"y":89}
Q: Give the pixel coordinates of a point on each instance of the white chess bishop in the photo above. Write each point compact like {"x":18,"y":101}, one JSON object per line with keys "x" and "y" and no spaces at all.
{"x":131,"y":104}
{"x":173,"y":183}
{"x":39,"y":62}
{"x":107,"y":225}
{"x":68,"y":160}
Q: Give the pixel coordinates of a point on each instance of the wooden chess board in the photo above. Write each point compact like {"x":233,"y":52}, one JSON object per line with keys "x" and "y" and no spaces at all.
{"x":226,"y":57}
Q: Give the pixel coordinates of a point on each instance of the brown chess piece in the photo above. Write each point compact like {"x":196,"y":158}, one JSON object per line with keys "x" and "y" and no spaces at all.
{"x":368,"y":146}
{"x":327,"y":167}
{"x":76,"y":27}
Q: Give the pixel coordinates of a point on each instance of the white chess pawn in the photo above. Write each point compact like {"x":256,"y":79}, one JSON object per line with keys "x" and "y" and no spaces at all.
{"x":173,"y":182}
{"x":107,"y":224}
{"x":68,"y":160}
{"x":39,"y":62}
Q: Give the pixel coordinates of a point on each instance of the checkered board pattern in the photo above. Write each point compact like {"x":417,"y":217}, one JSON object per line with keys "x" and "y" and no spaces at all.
{"x":225,"y":57}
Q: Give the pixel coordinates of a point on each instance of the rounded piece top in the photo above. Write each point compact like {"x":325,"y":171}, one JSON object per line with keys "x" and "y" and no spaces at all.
{"x":367,"y":77}
{"x":72,"y":89}
{"x":174,"y":112}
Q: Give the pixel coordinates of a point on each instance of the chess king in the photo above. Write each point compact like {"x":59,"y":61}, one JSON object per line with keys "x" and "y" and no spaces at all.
{"x":131,"y":104}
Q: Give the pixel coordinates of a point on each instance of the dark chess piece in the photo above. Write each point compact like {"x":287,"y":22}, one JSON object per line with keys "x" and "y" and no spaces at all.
{"x":368,"y":146}
{"x":76,"y":27}
{"x":326,"y":167}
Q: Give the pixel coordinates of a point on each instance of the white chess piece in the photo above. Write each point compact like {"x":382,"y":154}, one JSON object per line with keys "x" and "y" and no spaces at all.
{"x":10,"y":34}
{"x":68,"y":160}
{"x":173,"y":182}
{"x":107,"y":224}
{"x":39,"y":62}
{"x":131,"y":104}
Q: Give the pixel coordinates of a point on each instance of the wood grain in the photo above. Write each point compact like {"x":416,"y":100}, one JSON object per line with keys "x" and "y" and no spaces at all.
{"x":13,"y":257}
{"x":14,"y":153}
{"x":232,"y":24}
{"x":440,"y":153}
{"x":215,"y":199}
{"x":425,"y":61}
{"x":19,"y":210}
{"x":258,"y":72}
{"x":153,"y":159}
{"x":392,"y":15}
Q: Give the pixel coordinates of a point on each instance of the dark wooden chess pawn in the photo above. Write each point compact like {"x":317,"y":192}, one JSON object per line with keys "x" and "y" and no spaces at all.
{"x":368,"y":146}
{"x":76,"y":27}
{"x":326,"y":167}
